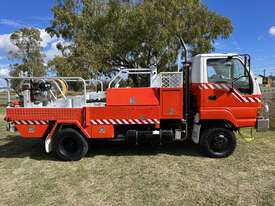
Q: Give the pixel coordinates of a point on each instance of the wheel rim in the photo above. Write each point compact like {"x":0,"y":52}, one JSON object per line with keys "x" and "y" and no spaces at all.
{"x":69,"y":146}
{"x":219,"y":142}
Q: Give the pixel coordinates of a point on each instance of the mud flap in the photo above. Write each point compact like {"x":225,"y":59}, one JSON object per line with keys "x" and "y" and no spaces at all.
{"x":196,"y":133}
{"x":48,"y":144}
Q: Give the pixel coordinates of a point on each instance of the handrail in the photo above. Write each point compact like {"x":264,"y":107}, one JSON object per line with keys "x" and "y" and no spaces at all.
{"x":69,"y":79}
{"x":129,"y":71}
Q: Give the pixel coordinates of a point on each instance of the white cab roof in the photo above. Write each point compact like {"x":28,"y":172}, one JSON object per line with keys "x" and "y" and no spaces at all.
{"x":216,"y":55}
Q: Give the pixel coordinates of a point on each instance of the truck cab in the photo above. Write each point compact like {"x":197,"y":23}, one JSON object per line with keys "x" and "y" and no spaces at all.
{"x":225,"y":87}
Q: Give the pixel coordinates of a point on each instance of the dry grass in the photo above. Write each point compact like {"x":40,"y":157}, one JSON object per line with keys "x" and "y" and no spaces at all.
{"x":117,"y":174}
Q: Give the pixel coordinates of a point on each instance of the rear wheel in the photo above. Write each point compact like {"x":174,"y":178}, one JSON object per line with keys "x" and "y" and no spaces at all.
{"x":70,"y":145}
{"x":218,"y":142}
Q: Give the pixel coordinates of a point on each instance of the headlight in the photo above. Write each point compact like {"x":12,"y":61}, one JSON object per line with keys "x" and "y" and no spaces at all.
{"x":263,"y":112}
{"x":266,"y":109}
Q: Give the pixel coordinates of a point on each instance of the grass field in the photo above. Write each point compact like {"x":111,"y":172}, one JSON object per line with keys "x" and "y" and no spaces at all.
{"x":117,"y":174}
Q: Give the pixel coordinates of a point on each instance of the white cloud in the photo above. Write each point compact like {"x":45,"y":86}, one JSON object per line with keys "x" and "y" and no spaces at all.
{"x":4,"y":70}
{"x":272,"y":30}
{"x":46,"y":38}
{"x":5,"y":43}
{"x":52,"y":51}
{"x":11,"y":23}
{"x":48,"y":44}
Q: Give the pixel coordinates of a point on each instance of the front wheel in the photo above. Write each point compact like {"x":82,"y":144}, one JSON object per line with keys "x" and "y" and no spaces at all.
{"x":218,"y":142}
{"x":70,"y":145}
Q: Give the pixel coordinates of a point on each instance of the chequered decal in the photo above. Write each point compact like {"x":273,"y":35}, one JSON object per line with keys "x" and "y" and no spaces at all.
{"x":31,"y":122}
{"x":123,"y":121}
{"x":235,"y":93}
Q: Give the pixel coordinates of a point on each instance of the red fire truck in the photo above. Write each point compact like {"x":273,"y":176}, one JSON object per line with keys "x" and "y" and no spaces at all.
{"x":208,"y":101}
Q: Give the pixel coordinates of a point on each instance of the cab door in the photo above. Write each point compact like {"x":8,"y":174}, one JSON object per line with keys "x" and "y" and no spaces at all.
{"x":228,"y":92}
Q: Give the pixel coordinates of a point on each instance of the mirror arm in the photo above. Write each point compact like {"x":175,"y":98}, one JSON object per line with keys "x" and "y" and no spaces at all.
{"x":233,"y":81}
{"x":232,"y":87}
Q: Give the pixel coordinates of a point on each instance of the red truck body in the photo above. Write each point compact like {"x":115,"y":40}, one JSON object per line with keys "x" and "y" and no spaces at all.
{"x":139,"y":106}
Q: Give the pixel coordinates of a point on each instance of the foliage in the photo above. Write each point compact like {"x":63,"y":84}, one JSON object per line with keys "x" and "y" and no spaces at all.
{"x":106,"y":34}
{"x":29,"y":52}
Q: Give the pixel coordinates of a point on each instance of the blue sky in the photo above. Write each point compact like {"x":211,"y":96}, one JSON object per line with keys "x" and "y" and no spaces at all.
{"x":252,"y":21}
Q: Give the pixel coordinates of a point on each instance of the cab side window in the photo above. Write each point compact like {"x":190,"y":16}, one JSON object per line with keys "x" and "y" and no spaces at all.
{"x":218,"y":71}
{"x":228,"y":71}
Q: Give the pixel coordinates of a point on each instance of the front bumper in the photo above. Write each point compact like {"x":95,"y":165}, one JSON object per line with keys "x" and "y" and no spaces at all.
{"x":262,"y":124}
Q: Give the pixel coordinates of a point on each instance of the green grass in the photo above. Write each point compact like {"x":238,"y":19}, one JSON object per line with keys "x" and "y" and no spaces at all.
{"x":2,"y":111}
{"x":116,"y":174}
{"x":4,"y":99}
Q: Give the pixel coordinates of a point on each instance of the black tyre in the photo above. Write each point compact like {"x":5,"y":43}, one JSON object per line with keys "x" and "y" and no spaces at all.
{"x":70,"y":145}
{"x":218,"y":142}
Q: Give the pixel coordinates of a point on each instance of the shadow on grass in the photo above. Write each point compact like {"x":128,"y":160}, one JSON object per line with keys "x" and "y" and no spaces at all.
{"x":17,"y":147}
{"x":123,"y":149}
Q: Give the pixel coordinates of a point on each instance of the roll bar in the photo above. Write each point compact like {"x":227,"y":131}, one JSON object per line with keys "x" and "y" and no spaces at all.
{"x":118,"y":76}
{"x":68,"y":79}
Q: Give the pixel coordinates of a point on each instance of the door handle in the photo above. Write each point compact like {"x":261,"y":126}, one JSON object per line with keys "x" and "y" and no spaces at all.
{"x":212,"y":97}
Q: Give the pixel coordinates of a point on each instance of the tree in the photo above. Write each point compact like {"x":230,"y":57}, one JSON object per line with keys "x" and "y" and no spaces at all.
{"x":106,"y":34}
{"x":29,"y":52}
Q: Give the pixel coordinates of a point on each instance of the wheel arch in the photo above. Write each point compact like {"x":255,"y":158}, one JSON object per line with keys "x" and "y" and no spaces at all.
{"x":217,"y":123}
{"x":59,"y":126}
{"x":198,"y":128}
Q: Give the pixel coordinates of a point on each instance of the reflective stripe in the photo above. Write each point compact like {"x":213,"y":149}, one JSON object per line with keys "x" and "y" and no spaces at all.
{"x":251,"y":99}
{"x":131,"y":121}
{"x":157,"y":121}
{"x":225,"y":87}
{"x":124,"y":121}
{"x":105,"y":121}
{"x":211,"y":86}
{"x":93,"y":122}
{"x":137,"y":121}
{"x":204,"y":86}
{"x":258,"y":99}
{"x":43,"y":122}
{"x":99,"y":121}
{"x":218,"y":86}
{"x":112,"y":121}
{"x":236,"y":97}
{"x":118,"y":121}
